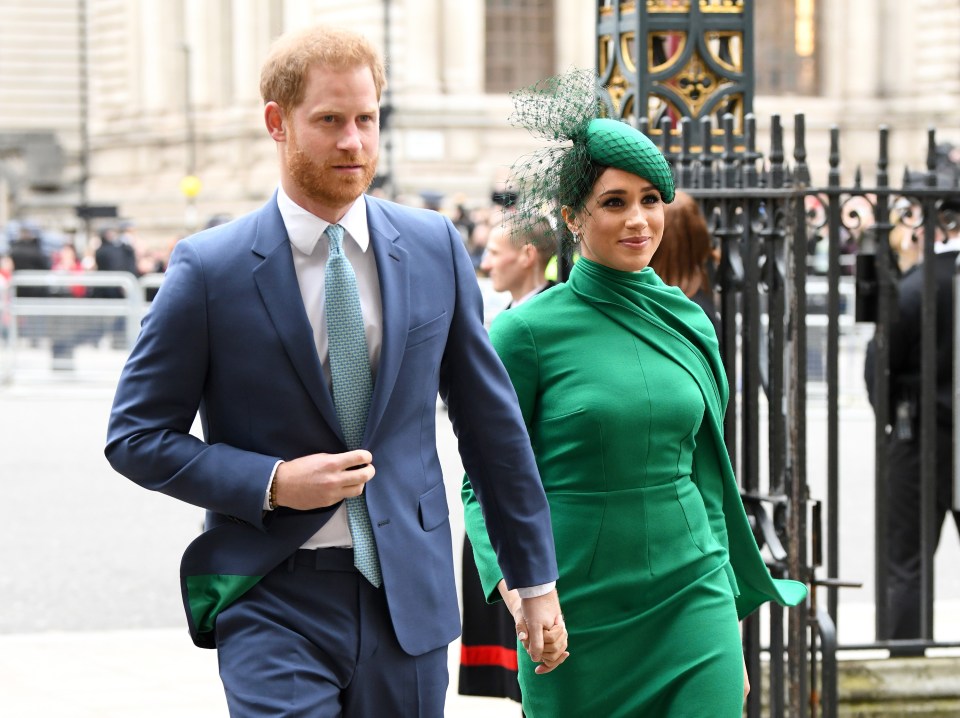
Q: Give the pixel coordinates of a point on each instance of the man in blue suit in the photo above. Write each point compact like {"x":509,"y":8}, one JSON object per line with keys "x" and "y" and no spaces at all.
{"x":325,"y":574}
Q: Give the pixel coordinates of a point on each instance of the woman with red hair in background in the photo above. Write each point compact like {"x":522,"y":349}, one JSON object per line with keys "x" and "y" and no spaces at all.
{"x":686,"y":254}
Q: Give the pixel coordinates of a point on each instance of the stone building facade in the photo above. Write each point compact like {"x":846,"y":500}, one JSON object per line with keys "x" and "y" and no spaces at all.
{"x":172,"y":90}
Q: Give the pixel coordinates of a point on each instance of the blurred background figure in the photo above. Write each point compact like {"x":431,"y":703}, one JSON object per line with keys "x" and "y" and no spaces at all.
{"x":66,"y":260}
{"x":477,"y":241}
{"x":66,"y":331}
{"x":217,"y":219}
{"x":905,"y":219}
{"x":116,"y":253}
{"x":686,"y":258}
{"x":516,"y":261}
{"x":6,"y":267}
{"x":461,"y":217}
{"x":432,"y":200}
{"x":6,"y":272}
{"x":27,"y":253}
{"x":904,"y":527}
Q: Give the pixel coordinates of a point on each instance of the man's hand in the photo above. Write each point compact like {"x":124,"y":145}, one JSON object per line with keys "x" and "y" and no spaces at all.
{"x":554,"y":639}
{"x":319,"y":480}
{"x":541,"y":629}
{"x":554,"y":647}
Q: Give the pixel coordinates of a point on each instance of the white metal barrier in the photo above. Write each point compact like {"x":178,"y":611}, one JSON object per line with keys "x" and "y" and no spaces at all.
{"x":48,"y":327}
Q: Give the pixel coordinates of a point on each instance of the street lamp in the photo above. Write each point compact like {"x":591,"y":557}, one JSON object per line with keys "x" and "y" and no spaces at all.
{"x":387,"y":183}
{"x":190,"y":185}
{"x":84,"y":101}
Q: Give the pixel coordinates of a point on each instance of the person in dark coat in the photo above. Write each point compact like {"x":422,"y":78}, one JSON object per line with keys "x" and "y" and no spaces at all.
{"x":26,"y":253}
{"x":115,"y":254}
{"x":904,"y":526}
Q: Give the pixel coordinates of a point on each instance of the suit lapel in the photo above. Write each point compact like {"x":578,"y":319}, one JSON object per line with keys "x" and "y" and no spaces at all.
{"x":276,"y":281}
{"x":393,"y":270}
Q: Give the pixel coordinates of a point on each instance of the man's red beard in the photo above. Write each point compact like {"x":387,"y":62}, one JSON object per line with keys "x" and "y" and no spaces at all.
{"x":324,"y":184}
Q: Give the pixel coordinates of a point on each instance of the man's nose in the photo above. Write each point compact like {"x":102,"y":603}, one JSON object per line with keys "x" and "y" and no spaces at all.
{"x":350,"y":139}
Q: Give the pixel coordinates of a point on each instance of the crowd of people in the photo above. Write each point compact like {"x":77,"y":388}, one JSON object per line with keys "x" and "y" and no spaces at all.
{"x":111,"y":247}
{"x":115,"y":248}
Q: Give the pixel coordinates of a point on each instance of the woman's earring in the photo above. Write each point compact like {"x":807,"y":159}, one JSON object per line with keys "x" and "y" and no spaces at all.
{"x":576,"y":238}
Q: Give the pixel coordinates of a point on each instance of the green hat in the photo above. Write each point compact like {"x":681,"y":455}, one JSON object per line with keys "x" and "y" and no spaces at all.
{"x":616,"y":144}
{"x":566,"y":111}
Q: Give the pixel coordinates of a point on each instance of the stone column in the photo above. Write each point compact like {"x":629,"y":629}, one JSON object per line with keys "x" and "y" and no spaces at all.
{"x":416,"y":48}
{"x":576,"y":38}
{"x":462,"y":46}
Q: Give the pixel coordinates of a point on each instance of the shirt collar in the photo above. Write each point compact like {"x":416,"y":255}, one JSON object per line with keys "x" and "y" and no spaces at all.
{"x":305,"y":229}
{"x":532,"y":293}
{"x":950,"y":245}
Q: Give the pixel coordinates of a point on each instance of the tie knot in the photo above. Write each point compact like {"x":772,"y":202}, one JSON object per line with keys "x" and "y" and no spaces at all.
{"x":335,"y":233}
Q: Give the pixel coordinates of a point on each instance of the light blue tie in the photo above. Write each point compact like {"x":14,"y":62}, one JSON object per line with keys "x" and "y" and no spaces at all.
{"x":352,"y":386}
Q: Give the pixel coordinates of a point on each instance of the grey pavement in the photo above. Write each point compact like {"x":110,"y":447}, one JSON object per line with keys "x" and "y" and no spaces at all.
{"x":91,"y":623}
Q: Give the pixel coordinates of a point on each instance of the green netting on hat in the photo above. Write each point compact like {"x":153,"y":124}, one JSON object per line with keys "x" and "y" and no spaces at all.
{"x":566,"y":111}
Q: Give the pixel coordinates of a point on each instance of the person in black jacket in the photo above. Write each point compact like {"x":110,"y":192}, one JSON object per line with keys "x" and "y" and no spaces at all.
{"x":116,"y":254}
{"x":903,"y":448}
{"x":27,"y":254}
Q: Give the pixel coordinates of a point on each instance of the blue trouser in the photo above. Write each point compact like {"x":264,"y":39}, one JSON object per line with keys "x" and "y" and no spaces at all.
{"x":314,"y":639}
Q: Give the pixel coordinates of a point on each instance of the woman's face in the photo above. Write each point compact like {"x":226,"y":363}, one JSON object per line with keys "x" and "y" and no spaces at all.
{"x":621,"y":223}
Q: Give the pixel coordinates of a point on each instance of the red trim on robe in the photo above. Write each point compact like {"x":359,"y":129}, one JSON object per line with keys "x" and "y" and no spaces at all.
{"x":489,"y":656}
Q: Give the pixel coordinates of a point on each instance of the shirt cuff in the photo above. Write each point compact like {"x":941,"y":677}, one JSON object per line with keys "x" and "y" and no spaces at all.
{"x":266,"y":494}
{"x":534,"y":591}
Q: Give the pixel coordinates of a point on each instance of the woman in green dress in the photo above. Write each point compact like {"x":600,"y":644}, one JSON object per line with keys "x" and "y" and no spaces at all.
{"x":623,"y":393}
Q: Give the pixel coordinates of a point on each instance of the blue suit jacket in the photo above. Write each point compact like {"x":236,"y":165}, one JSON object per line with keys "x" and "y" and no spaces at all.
{"x":228,"y":336}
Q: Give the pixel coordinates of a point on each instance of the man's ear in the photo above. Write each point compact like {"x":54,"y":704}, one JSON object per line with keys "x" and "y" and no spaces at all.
{"x":274,"y":119}
{"x":528,"y":255}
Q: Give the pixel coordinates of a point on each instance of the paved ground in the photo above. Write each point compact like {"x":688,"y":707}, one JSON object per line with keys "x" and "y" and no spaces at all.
{"x":91,"y":621}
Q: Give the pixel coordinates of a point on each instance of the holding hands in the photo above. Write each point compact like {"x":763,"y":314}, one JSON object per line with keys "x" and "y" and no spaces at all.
{"x":540,"y":627}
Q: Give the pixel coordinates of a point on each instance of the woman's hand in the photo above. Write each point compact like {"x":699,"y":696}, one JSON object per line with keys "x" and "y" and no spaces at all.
{"x":554,"y":638}
{"x":746,"y":680}
{"x":554,"y":647}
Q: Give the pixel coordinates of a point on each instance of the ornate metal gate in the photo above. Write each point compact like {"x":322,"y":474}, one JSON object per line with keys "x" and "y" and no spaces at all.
{"x":680,"y":70}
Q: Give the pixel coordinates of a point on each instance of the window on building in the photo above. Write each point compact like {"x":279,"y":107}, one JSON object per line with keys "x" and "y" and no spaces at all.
{"x":520,"y":43}
{"x":786,"y":40}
